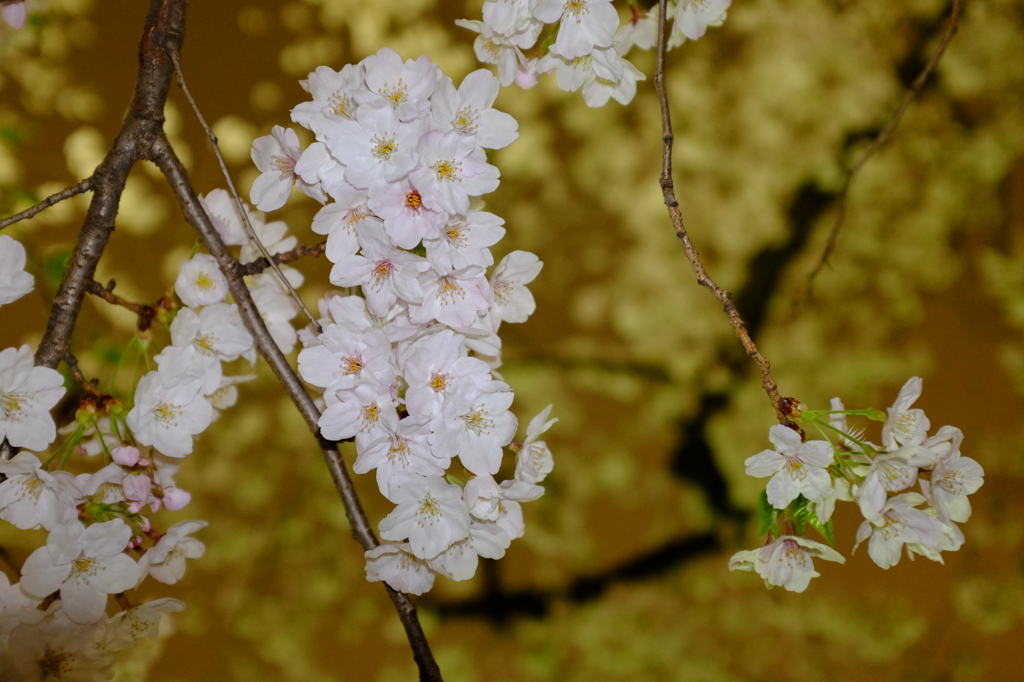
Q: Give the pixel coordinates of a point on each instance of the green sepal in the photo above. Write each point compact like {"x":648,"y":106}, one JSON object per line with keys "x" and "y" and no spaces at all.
{"x":803,"y":514}
{"x":876,"y":415}
{"x":454,"y":480}
{"x":766,"y":513}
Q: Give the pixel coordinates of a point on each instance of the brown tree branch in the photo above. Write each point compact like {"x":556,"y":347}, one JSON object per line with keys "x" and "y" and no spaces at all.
{"x":66,"y":193}
{"x":301,"y":251}
{"x":165,"y":24}
{"x":780,"y":404}
{"x":146,"y":313}
{"x":883,"y":137}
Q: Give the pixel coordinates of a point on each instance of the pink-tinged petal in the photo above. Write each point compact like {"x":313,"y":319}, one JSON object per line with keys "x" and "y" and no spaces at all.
{"x":115,"y":574}
{"x":40,"y":577}
{"x":82,"y":602}
{"x":786,"y":440}
{"x":764,"y":463}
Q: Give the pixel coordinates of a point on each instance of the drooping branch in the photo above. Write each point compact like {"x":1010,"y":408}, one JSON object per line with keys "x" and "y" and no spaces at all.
{"x":243,"y":214}
{"x":883,"y":137}
{"x":66,"y":193}
{"x":146,"y":313}
{"x":163,"y":155}
{"x":668,"y":191}
{"x":301,"y":251}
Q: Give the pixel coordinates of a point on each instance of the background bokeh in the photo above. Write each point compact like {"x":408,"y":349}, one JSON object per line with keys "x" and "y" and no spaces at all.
{"x":622,"y":574}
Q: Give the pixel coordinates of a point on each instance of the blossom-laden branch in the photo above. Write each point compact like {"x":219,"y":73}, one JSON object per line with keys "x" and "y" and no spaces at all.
{"x":164,"y":157}
{"x":301,"y":251}
{"x":883,"y":137}
{"x":781,"y":405}
{"x":142,"y":137}
{"x":66,"y":193}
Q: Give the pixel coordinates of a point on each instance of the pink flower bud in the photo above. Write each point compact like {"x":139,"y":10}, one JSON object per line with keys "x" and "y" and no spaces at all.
{"x":126,"y":456}
{"x":136,"y":488}
{"x":145,"y":524}
{"x":14,"y":14}
{"x":176,"y":498}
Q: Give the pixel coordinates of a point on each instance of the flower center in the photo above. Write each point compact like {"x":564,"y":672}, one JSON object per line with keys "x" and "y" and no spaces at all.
{"x":167,"y":413}
{"x":284,"y":166}
{"x":398,"y":94}
{"x":439,"y":381}
{"x":381,"y":272}
{"x":351,"y":365}
{"x":384,"y":146}
{"x":414,"y":202}
{"x":465,"y":120}
{"x":477,"y":421}
{"x":339,"y":104}
{"x":370,"y":416}
{"x":203,"y":282}
{"x":448,"y":170}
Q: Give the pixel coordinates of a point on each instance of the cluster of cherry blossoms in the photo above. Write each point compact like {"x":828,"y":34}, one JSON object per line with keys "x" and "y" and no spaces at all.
{"x":808,"y":477}
{"x":406,"y":365}
{"x":102,"y":540}
{"x":587,"y":45}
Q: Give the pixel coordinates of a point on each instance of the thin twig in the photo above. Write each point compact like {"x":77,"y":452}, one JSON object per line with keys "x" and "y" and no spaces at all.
{"x":88,"y":386}
{"x":883,"y":137}
{"x":668,"y":190}
{"x":301,"y":251}
{"x":234,"y":193}
{"x":66,"y":193}
{"x":146,"y":313}
{"x":163,"y":155}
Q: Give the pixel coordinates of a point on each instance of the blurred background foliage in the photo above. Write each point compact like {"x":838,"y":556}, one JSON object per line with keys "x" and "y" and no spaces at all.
{"x":622,"y":574}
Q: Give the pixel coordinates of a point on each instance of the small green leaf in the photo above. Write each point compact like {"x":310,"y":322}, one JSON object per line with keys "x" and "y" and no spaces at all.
{"x":54,"y":265}
{"x":801,"y":525}
{"x":765,"y":513}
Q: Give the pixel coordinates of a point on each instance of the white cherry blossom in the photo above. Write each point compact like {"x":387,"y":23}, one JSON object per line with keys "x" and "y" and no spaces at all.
{"x":200,"y":281}
{"x":56,"y":648}
{"x":14,"y":281}
{"x":511,"y":300}
{"x":85,"y":564}
{"x":464,"y":241}
{"x":796,"y":468}
{"x":375,"y":146}
{"x":167,"y":417}
{"x":404,"y":87}
{"x":469,"y":110}
{"x":905,"y":426}
{"x":899,"y":523}
{"x":165,"y":561}
{"x":126,"y":628}
{"x":430,"y":514}
{"x":224,"y":215}
{"x":275,"y":155}
{"x":345,"y":358}
{"x":27,"y":393}
{"x":336,"y":95}
{"x":384,"y":272}
{"x":366,"y":412}
{"x":404,"y":447}
{"x":787,"y":562}
{"x":407,"y":219}
{"x":474,"y":427}
{"x":492,"y":47}
{"x":395,"y":564}
{"x":693,"y":17}
{"x":32,"y":496}
{"x":453,"y":169}
{"x":585,"y":24}
{"x":602,"y":75}
{"x":454,"y":298}
{"x":534,"y":461}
